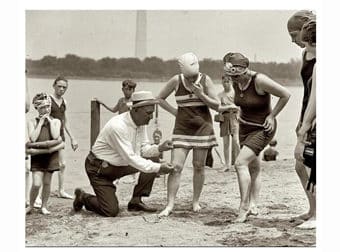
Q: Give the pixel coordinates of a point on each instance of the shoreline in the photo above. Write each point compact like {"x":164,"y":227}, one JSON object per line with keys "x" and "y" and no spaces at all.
{"x":285,"y":82}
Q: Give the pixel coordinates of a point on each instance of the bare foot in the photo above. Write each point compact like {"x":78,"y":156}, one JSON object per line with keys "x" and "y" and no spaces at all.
{"x":253,"y":210}
{"x":37,"y":202}
{"x":242,"y":216}
{"x":64,"y":195}
{"x":29,"y":209}
{"x":44,"y":211}
{"x":165,"y":213}
{"x":309,"y":224}
{"x":196,"y":207}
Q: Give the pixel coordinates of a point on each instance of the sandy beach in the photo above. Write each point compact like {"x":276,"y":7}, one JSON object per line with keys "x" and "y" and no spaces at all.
{"x":282,"y":198}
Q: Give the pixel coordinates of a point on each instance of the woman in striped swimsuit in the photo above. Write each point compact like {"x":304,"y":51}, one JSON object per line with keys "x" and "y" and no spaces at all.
{"x":194,"y":94}
{"x":257,"y":125}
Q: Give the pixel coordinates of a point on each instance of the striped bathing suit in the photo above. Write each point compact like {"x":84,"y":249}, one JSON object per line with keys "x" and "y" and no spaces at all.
{"x":193,"y":126}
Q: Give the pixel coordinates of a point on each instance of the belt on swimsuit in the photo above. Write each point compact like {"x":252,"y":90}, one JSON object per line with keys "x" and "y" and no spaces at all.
{"x":250,"y":123}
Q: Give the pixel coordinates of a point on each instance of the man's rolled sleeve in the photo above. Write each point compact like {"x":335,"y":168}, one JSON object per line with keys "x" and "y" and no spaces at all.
{"x":150,"y":150}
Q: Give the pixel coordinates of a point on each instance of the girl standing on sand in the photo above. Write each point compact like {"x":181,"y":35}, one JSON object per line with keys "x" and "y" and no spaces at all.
{"x":42,"y":129}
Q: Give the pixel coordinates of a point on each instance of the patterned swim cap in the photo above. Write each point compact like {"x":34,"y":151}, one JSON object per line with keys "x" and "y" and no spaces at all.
{"x":235,"y":64}
{"x":40,"y":100}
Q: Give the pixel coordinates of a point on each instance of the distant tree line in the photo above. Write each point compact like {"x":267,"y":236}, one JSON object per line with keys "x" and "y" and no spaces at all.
{"x":73,"y":66}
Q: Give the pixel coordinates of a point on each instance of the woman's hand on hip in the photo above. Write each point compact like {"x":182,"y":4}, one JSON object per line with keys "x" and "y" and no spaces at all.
{"x":269,"y":124}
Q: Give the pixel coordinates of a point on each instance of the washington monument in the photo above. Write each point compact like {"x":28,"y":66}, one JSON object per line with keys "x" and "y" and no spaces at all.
{"x":140,"y":47}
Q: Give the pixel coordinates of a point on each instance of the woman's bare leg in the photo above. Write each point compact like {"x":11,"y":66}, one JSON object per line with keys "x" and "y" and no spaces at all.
{"x":226,"y":150}
{"x":311,"y":222}
{"x":198,"y":161}
{"x":302,"y":173}
{"x":235,"y":148}
{"x":244,"y":180}
{"x":255,"y":185}
{"x":178,"y":157}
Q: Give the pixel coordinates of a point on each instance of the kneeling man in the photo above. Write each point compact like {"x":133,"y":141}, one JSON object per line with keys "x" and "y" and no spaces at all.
{"x":121,"y":149}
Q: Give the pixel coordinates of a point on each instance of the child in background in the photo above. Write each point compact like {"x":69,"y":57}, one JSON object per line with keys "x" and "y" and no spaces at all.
{"x":59,"y":111}
{"x":43,"y":129}
{"x":157,"y":136}
{"x":228,"y":118}
{"x":123,"y":105}
{"x":271,"y":153}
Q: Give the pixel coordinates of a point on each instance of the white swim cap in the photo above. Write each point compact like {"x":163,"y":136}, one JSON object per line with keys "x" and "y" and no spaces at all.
{"x":188,"y":64}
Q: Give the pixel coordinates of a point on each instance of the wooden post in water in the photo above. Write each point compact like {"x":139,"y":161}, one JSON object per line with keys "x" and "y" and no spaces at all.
{"x":95,"y":121}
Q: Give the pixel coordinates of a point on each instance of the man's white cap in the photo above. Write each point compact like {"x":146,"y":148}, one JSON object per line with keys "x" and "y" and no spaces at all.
{"x":143,"y":98}
{"x":188,"y":64}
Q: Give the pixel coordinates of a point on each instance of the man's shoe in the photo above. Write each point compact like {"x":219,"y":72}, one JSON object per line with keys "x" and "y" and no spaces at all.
{"x":78,"y":202}
{"x":140,"y":207}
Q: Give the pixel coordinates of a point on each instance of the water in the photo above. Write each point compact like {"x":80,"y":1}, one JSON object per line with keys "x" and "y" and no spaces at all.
{"x":80,"y":93}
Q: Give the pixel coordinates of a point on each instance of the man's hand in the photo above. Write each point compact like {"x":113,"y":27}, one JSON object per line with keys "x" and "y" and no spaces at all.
{"x":166,"y":145}
{"x":74,"y":144}
{"x":166,"y":168}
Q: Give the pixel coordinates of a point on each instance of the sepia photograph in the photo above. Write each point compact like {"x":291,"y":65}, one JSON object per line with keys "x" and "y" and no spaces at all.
{"x":170,"y":127}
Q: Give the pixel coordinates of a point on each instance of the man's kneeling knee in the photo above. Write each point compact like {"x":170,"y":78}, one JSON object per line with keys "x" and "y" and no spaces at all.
{"x":113,"y":212}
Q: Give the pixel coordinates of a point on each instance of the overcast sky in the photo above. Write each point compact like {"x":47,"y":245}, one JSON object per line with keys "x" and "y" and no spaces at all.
{"x":210,"y":34}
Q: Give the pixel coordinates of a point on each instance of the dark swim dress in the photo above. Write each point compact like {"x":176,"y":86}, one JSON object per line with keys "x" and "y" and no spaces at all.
{"x":45,"y":162}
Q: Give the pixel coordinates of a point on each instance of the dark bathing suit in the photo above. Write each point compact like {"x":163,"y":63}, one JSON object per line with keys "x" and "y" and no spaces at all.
{"x":254,"y":108}
{"x":45,"y":162}
{"x":306,"y":74}
{"x":58,"y":112}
